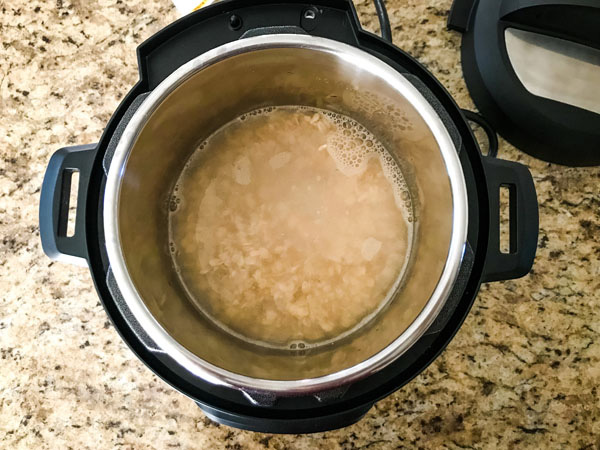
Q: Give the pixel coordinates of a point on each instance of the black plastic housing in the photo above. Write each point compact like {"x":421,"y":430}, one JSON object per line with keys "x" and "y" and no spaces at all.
{"x":335,"y":19}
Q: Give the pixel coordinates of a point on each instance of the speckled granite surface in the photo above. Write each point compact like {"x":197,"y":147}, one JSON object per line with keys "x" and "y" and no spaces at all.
{"x":521,"y":373}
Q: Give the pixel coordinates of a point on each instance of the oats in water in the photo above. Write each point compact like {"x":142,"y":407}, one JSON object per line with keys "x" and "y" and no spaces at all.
{"x":294,"y":225}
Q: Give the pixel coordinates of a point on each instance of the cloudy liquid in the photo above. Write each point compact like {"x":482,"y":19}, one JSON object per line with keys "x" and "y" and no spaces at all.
{"x":291,"y":226}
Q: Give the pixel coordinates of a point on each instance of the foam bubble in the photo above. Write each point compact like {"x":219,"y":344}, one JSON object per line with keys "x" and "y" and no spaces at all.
{"x":173,"y":204}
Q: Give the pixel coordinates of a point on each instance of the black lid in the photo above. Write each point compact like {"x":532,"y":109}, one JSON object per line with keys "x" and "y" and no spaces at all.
{"x":533,"y":70}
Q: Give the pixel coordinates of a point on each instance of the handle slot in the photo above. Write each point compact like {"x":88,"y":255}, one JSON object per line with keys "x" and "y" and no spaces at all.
{"x":508,"y":228}
{"x":68,"y":205}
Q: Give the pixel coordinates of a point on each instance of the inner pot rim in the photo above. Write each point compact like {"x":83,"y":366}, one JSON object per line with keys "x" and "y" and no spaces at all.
{"x":215,"y":374}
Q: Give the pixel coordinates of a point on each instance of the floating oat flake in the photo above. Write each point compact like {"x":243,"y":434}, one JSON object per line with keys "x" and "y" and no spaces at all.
{"x":370,"y":248}
{"x":280,"y":160}
{"x":242,"y":170}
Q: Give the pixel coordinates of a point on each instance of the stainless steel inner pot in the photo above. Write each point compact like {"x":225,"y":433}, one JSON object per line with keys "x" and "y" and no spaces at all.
{"x":215,"y":88}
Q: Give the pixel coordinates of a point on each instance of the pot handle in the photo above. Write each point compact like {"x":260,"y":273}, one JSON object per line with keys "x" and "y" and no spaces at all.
{"x":54,"y":204}
{"x":523,"y":221}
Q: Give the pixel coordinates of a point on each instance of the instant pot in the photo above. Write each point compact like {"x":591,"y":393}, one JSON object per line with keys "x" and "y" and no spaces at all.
{"x":200,"y":73}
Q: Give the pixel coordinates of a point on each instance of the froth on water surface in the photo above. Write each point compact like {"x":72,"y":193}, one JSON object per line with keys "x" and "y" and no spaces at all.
{"x":293,"y":226}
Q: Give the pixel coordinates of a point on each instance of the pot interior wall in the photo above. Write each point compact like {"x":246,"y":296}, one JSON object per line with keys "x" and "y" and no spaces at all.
{"x":219,"y":93}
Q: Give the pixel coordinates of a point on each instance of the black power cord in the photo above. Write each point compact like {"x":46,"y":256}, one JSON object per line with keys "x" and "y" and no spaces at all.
{"x":485,"y":126}
{"x":384,"y":20}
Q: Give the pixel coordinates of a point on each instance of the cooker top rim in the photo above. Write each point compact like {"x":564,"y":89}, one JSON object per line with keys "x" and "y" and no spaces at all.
{"x":208,"y":371}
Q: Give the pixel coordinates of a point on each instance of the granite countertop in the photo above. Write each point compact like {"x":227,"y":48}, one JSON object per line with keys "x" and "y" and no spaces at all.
{"x":522,"y":372}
